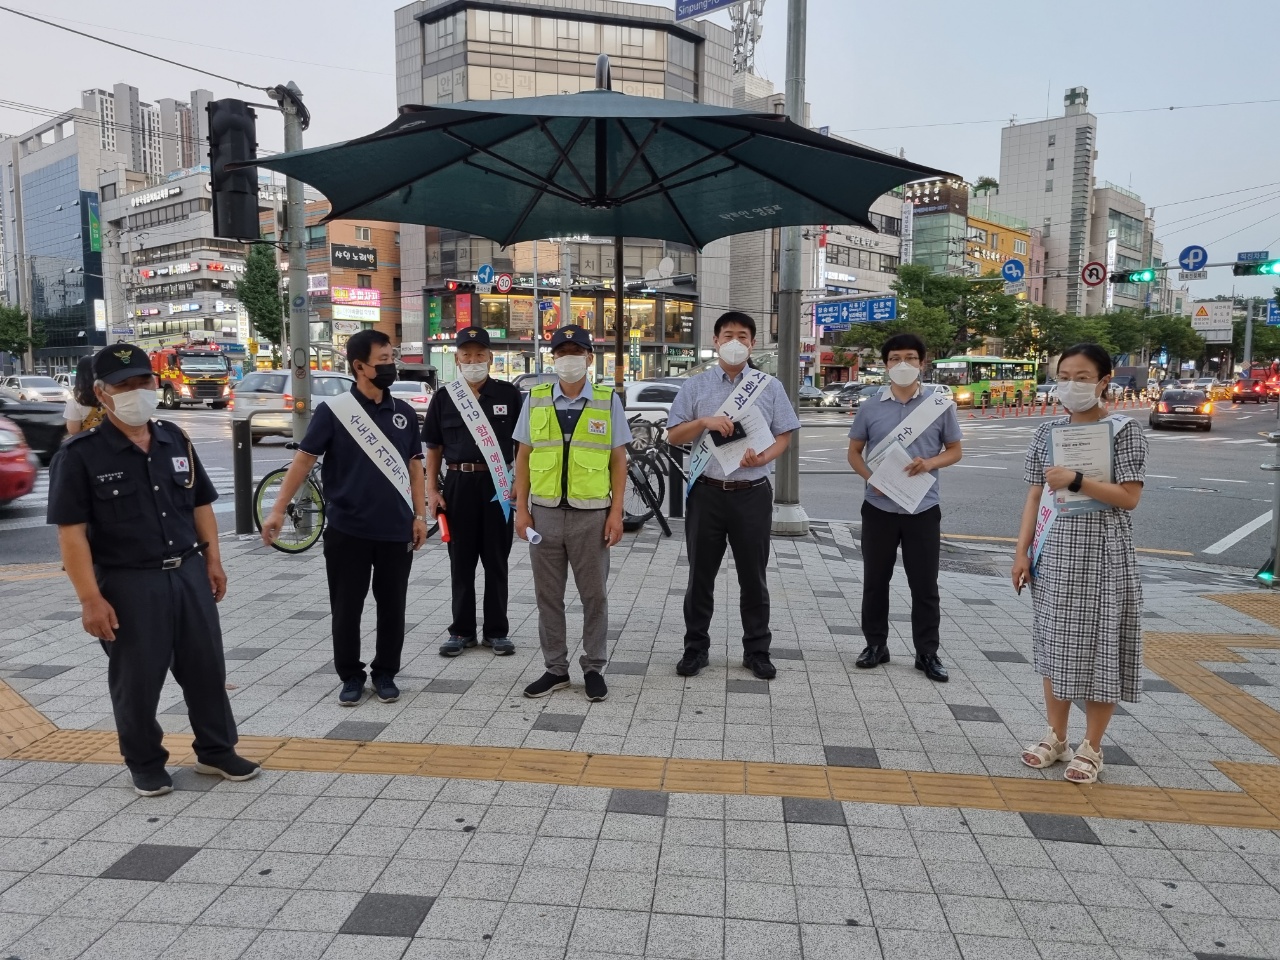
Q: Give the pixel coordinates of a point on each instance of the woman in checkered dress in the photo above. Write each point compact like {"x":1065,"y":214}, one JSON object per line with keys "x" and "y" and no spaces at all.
{"x":1086,"y":595}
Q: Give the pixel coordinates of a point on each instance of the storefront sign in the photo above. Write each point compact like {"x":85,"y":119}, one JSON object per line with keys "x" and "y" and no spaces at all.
{"x":218,"y":267}
{"x":99,"y":315}
{"x":317,"y":283}
{"x":173,"y":270}
{"x":344,"y":255}
{"x":147,"y":312}
{"x":364,"y":296}
{"x":462,"y":310}
{"x":433,"y":316}
{"x":183,"y":307}
{"x":364,"y":314}
{"x":347,"y":326}
{"x":154,"y":196}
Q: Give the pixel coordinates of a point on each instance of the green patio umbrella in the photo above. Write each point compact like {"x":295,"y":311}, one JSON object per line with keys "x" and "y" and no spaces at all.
{"x":598,"y":163}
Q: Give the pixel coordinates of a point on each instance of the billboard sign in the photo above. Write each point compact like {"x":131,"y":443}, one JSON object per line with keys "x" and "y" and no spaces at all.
{"x":353,"y":258}
{"x":342,"y":311}
{"x":364,"y":296}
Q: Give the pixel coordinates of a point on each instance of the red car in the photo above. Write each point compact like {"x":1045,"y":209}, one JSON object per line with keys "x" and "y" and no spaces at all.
{"x":1245,"y":389}
{"x":17,"y":465}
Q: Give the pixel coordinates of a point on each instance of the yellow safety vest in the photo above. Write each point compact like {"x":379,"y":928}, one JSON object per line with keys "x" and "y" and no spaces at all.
{"x":588,"y":451}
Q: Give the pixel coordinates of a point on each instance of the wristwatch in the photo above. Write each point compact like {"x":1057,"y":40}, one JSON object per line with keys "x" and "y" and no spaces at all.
{"x":420,"y":516}
{"x":1074,"y":485}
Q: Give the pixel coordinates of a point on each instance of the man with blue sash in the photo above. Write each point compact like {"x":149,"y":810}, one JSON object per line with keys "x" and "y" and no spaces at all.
{"x":468,"y":434}
{"x":730,"y":498}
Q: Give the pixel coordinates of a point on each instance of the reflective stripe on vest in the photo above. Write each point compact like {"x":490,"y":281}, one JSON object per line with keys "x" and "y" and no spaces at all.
{"x":589,"y":449}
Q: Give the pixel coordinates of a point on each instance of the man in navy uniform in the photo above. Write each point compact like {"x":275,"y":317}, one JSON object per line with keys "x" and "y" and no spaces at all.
{"x":480,"y":527}
{"x":139,"y":542}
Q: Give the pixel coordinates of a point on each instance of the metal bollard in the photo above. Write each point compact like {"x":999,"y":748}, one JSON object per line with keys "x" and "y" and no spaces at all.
{"x":675,"y":482}
{"x":242,"y":470}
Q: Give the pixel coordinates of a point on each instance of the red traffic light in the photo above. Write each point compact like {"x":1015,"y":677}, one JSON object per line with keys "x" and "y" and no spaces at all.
{"x":451,"y":284}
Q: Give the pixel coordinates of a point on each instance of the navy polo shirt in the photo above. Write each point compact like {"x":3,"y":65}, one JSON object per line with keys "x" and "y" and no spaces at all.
{"x":359,"y":499}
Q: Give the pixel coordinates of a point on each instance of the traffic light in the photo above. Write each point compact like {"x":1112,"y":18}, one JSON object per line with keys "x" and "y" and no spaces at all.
{"x":1146,"y":275}
{"x":1263,"y":268}
{"x":233,"y":138}
{"x":459,"y":286}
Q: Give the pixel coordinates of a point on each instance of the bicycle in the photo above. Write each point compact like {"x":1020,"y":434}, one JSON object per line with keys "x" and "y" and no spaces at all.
{"x":304,"y":515}
{"x":648,"y":459}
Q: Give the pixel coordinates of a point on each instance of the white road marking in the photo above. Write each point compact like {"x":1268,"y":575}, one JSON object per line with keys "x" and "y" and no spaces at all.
{"x":1159,"y":476}
{"x":1231,"y":539}
{"x":1221,"y":480}
{"x":978,"y":466}
{"x":1247,"y":440}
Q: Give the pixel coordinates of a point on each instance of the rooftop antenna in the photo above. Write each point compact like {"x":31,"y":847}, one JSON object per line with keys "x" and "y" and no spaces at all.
{"x":747,"y":29}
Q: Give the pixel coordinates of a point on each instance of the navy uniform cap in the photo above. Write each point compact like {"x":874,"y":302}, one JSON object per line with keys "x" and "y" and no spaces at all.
{"x":473,"y":335}
{"x":571,"y":334}
{"x":120,"y":361}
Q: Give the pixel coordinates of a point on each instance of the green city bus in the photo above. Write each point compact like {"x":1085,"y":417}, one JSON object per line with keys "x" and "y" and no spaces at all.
{"x":979,"y":381}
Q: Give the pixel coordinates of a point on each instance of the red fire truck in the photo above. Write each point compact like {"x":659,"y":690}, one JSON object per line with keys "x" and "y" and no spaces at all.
{"x":192,"y":373}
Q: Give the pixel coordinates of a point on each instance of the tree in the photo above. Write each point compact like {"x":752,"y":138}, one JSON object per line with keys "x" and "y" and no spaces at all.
{"x":986,"y":184}
{"x":930,"y":324}
{"x":13,"y":331}
{"x":259,"y":291}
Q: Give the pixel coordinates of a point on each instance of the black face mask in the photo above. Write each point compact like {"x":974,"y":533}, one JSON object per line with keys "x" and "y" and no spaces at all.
{"x":385,"y":376}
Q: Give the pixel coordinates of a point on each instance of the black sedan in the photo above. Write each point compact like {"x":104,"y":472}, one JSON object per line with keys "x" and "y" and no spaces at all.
{"x":1182,"y":408}
{"x":41,"y":423}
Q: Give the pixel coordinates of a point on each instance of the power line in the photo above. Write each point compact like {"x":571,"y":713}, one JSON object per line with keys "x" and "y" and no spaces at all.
{"x":1212,"y":196}
{"x":1219,"y":217}
{"x":144,"y":53}
{"x":1244,"y":228}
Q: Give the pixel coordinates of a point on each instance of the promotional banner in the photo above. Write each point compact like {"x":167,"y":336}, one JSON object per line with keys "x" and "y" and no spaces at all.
{"x":364,"y":296}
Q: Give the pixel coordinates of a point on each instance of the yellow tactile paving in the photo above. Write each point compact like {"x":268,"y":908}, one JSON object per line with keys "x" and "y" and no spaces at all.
{"x":25,"y":733}
{"x":10,"y":572}
{"x":1260,"y":606}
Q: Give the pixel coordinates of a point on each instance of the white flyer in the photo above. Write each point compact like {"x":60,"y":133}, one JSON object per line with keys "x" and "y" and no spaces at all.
{"x":758,"y":438}
{"x":1086,"y":448}
{"x":891,"y":479}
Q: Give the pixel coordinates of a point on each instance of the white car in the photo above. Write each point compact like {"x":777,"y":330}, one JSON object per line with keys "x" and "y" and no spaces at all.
{"x":37,"y":388}
{"x":267,"y":390}
{"x":416,"y":394}
{"x":650,"y":399}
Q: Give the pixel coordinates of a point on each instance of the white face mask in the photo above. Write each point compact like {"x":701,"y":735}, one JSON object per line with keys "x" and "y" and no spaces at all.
{"x":474,"y":372}
{"x":571,"y":368}
{"x":904,"y":374}
{"x":734,"y":352}
{"x":1077,"y":397}
{"x":135,"y":407}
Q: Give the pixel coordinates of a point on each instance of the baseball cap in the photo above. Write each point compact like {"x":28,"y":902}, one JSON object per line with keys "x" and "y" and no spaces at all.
{"x":473,"y":335}
{"x":571,"y":334}
{"x":120,"y":361}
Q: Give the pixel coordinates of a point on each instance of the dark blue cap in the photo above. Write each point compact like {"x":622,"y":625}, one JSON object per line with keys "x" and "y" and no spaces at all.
{"x":571,"y":334}
{"x":473,"y":335}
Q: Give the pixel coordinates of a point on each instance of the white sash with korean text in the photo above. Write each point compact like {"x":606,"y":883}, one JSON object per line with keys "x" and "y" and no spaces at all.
{"x":376,"y":446}
{"x":477,"y":422}
{"x":740,"y":401}
{"x":912,"y":428}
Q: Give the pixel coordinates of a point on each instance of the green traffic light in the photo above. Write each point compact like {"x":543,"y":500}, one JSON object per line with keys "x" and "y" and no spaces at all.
{"x":1272,"y":268}
{"x":1146,"y":276}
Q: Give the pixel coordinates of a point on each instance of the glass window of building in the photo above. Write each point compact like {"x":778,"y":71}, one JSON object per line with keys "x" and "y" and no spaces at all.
{"x":1048,"y":186}
{"x":362,"y":233}
{"x":364,"y":281}
{"x":1020,"y":246}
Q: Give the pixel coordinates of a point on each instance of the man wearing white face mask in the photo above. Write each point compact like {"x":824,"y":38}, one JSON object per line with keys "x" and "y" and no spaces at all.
{"x":730,"y":497}
{"x":139,"y":542}
{"x":571,"y":470}
{"x":926,"y":425}
{"x":468,"y":431}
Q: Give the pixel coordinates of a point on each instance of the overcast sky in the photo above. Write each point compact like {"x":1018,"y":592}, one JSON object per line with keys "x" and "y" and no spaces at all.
{"x":934,"y":78}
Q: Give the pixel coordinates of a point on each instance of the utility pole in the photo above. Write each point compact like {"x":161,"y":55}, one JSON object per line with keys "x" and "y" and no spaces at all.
{"x":566,"y":282}
{"x":1248,"y":335}
{"x":295,"y":120}
{"x":789,"y":518}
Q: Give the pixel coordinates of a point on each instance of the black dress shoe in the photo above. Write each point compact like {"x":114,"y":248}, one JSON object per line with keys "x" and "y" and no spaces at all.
{"x":872,"y":656}
{"x":692,"y":662}
{"x":760,"y":664}
{"x":933,"y":668}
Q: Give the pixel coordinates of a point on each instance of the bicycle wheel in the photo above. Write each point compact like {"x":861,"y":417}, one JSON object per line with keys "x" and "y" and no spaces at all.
{"x":303,"y":517}
{"x":638,"y":504}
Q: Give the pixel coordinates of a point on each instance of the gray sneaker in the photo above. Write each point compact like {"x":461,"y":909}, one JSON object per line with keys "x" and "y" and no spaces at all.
{"x":455,"y":645}
{"x":502,"y":646}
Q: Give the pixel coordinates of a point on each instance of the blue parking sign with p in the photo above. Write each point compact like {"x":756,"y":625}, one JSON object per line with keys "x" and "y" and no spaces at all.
{"x":1013,"y":271}
{"x":1193,"y":258}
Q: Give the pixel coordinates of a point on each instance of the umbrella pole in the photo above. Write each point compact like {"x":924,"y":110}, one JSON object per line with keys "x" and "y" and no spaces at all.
{"x":617,"y":317}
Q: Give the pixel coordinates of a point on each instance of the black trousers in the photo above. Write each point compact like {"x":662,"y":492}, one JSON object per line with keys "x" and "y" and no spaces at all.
{"x":168,"y":621}
{"x":743,"y":519}
{"x":920,"y":536}
{"x":477,"y":533}
{"x":348,"y":562}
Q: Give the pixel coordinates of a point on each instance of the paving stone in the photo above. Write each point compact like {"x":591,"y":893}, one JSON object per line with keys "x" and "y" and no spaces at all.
{"x":1158,"y":686}
{"x":785,"y":653}
{"x":964,"y":711}
{"x":41,"y":671}
{"x":1243,"y":678}
{"x":626,"y":669}
{"x":747,"y":686}
{"x":149,"y":861}
{"x":811,"y":810}
{"x":559,"y":722}
{"x":844,"y":630}
{"x":852,"y":757}
{"x":645,"y":802}
{"x":1117,"y":756}
{"x":309,"y":615}
{"x":1004,"y":656}
{"x":244,"y":653}
{"x":363,"y":730}
{"x":447,"y":686}
{"x":388,"y":915}
{"x":977,"y":602}
{"x":1054,"y":826}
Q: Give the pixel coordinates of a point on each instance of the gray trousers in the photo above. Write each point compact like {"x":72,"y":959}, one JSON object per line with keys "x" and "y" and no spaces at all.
{"x":571,"y":538}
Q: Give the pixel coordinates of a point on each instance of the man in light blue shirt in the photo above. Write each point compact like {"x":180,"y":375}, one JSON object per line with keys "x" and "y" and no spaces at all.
{"x":735,"y":505}
{"x":885,"y":524}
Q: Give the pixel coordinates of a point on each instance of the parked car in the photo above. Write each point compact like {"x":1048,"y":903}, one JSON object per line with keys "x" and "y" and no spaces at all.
{"x":41,"y":423}
{"x":268,"y":390}
{"x":68,"y":380}
{"x":1046,"y":391}
{"x":416,"y":393}
{"x":649,"y":399}
{"x":831,"y":392}
{"x":1246,"y":389}
{"x":1182,"y":408}
{"x":809,"y":396}
{"x":941,"y":388}
{"x":527,"y":381}
{"x":857,"y":394}
{"x":40,"y":389}
{"x":17,"y":463}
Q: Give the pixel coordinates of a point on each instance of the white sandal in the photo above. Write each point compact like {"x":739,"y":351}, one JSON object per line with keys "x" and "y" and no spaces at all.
{"x":1086,"y":764}
{"x":1047,"y":752}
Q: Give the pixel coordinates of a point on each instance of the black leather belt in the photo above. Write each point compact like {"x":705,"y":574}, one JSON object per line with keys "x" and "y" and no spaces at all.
{"x":468,"y":467}
{"x":173,"y":563}
{"x":733,"y":484}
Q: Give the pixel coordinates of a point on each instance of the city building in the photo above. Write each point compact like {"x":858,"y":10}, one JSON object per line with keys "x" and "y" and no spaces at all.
{"x":353,"y":274}
{"x":939,"y":225}
{"x":154,"y":138}
{"x":1122,"y":237}
{"x":1047,"y":180}
{"x":453,"y":50}
{"x":995,"y":238}
{"x":53,"y":243}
